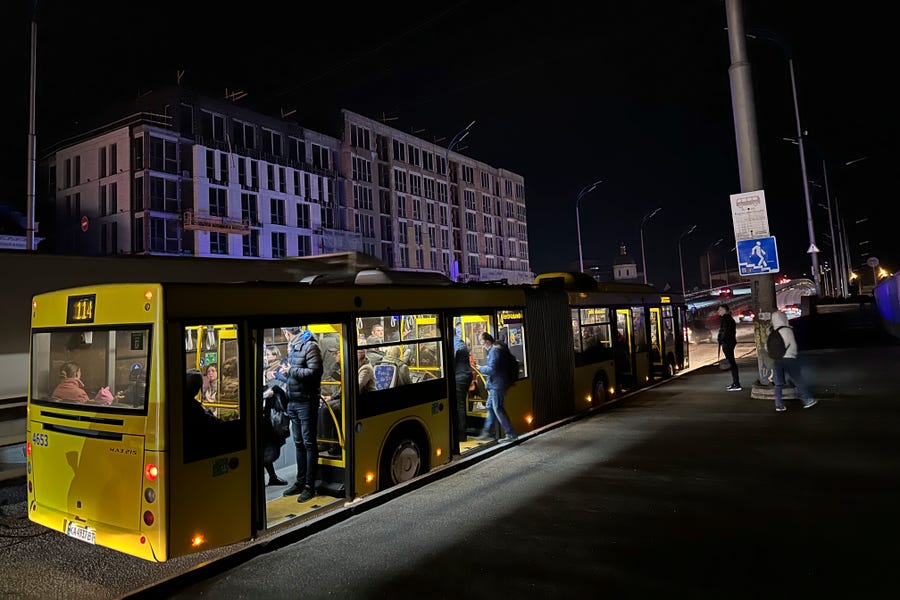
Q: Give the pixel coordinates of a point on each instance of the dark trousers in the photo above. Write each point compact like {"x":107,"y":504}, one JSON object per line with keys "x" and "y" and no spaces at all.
{"x":304,"y":418}
{"x":728,"y":351}
{"x":462,"y":394}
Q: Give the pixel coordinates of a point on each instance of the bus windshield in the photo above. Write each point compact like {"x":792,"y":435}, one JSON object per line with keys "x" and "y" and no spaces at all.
{"x":104,"y":368}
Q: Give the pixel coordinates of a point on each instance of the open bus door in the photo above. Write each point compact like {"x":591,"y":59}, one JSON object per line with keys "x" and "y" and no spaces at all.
{"x":210,"y":466}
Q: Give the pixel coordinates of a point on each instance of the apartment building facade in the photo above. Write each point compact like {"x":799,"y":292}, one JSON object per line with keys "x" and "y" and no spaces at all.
{"x":185,"y":174}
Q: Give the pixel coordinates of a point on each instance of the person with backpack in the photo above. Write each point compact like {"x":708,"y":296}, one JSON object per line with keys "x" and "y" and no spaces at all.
{"x":498,"y":380}
{"x":786,"y":365}
{"x":276,"y":428}
{"x":728,"y":342}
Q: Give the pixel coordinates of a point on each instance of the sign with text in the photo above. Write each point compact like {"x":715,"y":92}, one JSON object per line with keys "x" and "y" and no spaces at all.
{"x":748,"y":213}
{"x":757,"y":256}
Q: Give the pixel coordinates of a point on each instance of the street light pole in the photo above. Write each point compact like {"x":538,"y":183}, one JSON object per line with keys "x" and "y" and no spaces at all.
{"x":454,"y":265}
{"x":708,"y":267}
{"x":680,"y":261}
{"x":32,"y":139}
{"x":646,"y":218}
{"x":813,"y":250}
{"x":585,"y":191}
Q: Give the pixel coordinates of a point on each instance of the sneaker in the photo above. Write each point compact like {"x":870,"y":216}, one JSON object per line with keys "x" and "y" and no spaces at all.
{"x":781,"y":408}
{"x":483,"y":436}
{"x":277,"y":481}
{"x":734,"y":388}
{"x":509,"y":438}
{"x":294,"y":489}
{"x":306,"y":494}
{"x":810,"y":403}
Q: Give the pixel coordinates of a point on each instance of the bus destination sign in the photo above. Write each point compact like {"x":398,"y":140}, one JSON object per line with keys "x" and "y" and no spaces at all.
{"x":80,"y":309}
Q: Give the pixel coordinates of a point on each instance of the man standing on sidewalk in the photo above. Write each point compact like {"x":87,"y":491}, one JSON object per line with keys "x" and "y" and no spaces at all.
{"x":728,"y":341}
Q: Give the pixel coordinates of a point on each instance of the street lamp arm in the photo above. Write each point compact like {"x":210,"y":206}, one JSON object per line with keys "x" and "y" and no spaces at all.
{"x":585,"y":191}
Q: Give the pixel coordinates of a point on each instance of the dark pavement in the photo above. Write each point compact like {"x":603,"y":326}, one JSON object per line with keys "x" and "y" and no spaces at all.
{"x":681,"y":490}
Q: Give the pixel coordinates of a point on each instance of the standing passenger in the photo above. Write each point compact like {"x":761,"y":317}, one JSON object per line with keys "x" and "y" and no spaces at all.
{"x":728,"y":341}
{"x":496,"y":385}
{"x":304,"y":378}
{"x":463,"y":376}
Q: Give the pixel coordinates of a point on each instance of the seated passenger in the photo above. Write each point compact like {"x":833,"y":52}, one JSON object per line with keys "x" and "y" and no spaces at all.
{"x":402,"y":375}
{"x":71,"y":388}
{"x":366,"y":373}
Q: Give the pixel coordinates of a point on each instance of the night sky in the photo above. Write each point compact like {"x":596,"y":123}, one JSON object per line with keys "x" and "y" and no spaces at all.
{"x":633,"y":93}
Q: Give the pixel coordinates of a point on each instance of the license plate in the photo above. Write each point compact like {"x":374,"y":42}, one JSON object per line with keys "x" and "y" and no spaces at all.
{"x":81,"y":533}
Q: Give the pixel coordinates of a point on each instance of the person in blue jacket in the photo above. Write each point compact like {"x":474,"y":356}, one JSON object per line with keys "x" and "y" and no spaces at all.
{"x":496,"y":386}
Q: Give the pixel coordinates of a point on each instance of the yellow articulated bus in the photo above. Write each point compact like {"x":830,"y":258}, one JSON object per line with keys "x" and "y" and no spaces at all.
{"x":146,"y":424}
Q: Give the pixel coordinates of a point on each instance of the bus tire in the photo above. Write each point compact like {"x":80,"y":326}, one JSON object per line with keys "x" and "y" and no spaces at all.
{"x":600,"y":393}
{"x":404,"y":457}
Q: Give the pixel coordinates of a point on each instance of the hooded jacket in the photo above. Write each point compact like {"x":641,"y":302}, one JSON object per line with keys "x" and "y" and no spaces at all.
{"x":779,"y":319}
{"x":305,"y":376}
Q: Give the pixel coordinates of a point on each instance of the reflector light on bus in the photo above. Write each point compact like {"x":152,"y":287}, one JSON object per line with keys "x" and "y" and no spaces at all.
{"x":612,"y":391}
{"x":438,"y":452}
{"x":589,"y":398}
{"x":529,"y":419}
{"x":28,"y":448}
{"x":148,"y":295}
{"x":149,"y":518}
{"x":151,"y":472}
{"x":33,"y":304}
{"x":370,"y":477}
{"x":198,"y":540}
{"x":143,"y":539}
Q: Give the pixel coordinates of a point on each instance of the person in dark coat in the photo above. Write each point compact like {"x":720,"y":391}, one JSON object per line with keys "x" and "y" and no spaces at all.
{"x":728,"y":341}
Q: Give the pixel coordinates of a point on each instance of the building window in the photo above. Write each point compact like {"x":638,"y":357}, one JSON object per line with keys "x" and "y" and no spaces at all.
{"x":387,"y":229}
{"x":404,"y":256}
{"x":212,"y":126}
{"x":401,"y":206}
{"x":163,"y":195}
{"x":218,"y":202}
{"x":414,"y":155}
{"x":279,"y":249}
{"x":429,"y":188}
{"x":244,"y":135}
{"x":218,"y":243}
{"x":271,"y":142}
{"x":470,"y":199}
{"x":362,"y":197}
{"x":304,"y":245}
{"x":298,"y":191}
{"x":485,"y":181}
{"x":400,"y":180}
{"x":402,"y":233}
{"x":359,"y":136}
{"x":270,"y":177}
{"x":113,"y":197}
{"x":103,"y":202}
{"x":442,"y":192}
{"x":303,"y":221}
{"x":101,"y":162}
{"x":415,"y":184}
{"x":249,"y":211}
{"x":276,"y":211}
{"x":297,"y":150}
{"x":137,"y":152}
{"x":417,"y":209}
{"x":320,"y":157}
{"x":163,"y":155}
{"x":427,"y":161}
{"x":164,"y":235}
{"x":113,"y":159}
{"x":399,"y":151}
{"x":282,"y":180}
{"x":468,"y":174}
{"x":362,"y":169}
{"x":250,"y":244}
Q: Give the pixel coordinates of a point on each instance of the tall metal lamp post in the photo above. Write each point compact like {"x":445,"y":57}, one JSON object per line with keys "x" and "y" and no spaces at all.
{"x":708,"y":267}
{"x":454,"y":266}
{"x":680,"y":261}
{"x":646,"y":218}
{"x":584,"y":192}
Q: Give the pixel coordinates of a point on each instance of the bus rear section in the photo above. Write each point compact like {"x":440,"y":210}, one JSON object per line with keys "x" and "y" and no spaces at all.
{"x":91,"y":463}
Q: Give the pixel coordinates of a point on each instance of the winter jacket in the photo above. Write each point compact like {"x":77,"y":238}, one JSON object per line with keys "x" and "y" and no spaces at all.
{"x":461,"y":367}
{"x":495,"y":378}
{"x":71,"y":389}
{"x":727,"y":331}
{"x":779,"y":319}
{"x":305,"y":375}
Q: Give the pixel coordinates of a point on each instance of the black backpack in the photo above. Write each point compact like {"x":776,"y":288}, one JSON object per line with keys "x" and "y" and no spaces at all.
{"x":281,"y":423}
{"x":509,"y":365}
{"x":775,"y":346}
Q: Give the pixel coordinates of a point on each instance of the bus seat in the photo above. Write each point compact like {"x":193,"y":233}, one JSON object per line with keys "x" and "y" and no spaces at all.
{"x":384,"y":375}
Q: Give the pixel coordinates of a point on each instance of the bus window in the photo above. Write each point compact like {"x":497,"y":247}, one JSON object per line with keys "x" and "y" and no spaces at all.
{"x":640,"y":329}
{"x":403,"y":349}
{"x":512,"y":333}
{"x":576,"y":331}
{"x":595,"y":335}
{"x":211,"y":406}
{"x":106,"y":368}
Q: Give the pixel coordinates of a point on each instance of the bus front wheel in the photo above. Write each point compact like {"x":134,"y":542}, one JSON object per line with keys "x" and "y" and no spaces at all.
{"x":403,"y":459}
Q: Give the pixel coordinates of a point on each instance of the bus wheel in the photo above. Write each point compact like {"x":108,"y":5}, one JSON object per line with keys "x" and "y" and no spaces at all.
{"x":401,"y":461}
{"x":600,"y":396}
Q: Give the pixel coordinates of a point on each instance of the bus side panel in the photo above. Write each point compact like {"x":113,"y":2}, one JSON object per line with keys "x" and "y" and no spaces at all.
{"x":551,"y":352}
{"x":519,"y":406}
{"x":372,"y":434}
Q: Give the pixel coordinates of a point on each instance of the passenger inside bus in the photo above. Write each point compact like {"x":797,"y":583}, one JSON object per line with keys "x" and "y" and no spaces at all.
{"x":366,"y":373}
{"x":71,"y":388}
{"x":392,"y":371}
{"x":210,"y":382}
{"x":205,"y":430}
{"x":375,"y":337}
